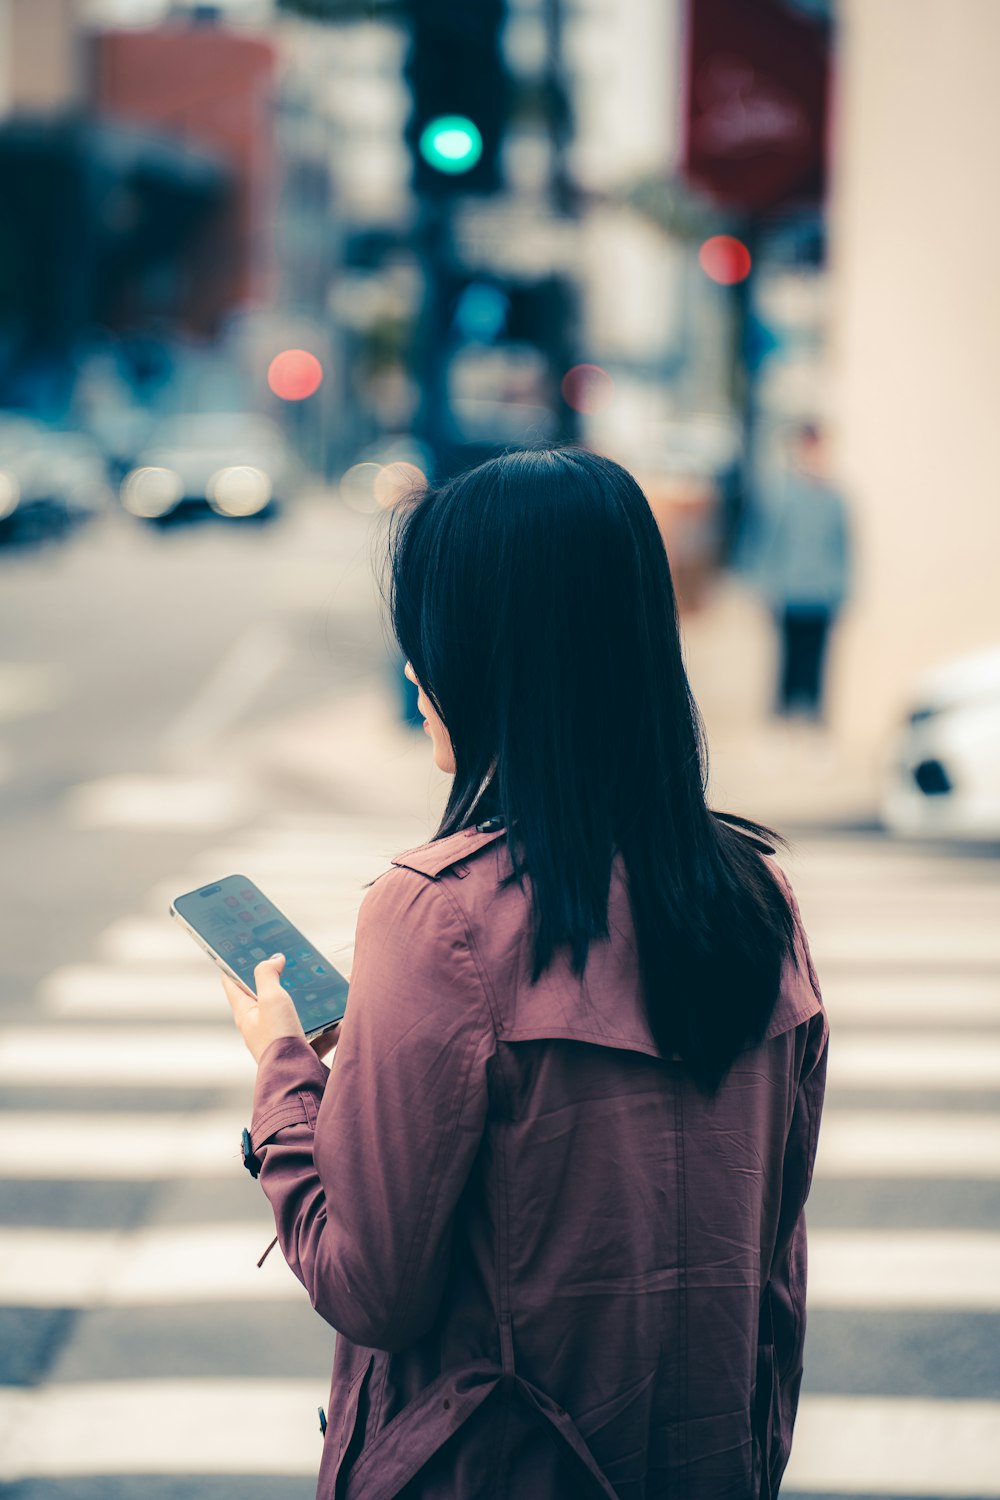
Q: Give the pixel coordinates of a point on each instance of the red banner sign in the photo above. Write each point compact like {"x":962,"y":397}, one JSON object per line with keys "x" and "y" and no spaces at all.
{"x":757,"y":83}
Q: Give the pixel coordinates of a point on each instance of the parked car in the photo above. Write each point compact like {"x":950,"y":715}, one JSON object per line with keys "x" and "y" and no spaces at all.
{"x":943,"y":778}
{"x":236,"y":463}
{"x":121,"y":432}
{"x":49,"y":478}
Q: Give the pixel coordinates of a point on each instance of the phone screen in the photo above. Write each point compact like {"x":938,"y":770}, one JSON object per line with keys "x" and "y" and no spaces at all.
{"x":243,"y":926}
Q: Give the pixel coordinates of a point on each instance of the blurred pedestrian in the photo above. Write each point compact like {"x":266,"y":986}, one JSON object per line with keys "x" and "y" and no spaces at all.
{"x":802,"y":566}
{"x":550,"y":1193}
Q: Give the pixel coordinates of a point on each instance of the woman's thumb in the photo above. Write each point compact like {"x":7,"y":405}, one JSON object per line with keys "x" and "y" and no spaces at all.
{"x":268,"y":970}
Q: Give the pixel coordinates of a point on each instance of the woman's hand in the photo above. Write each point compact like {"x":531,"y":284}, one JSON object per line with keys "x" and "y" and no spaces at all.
{"x":262,"y":1020}
{"x":325,"y":1043}
{"x":272,"y":1014}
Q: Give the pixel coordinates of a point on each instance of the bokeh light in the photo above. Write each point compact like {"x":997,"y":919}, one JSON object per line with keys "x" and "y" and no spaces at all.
{"x":398,"y":482}
{"x":239,"y":490}
{"x":587,"y":388}
{"x":10,"y":494}
{"x":357,"y":487}
{"x":451,"y":143}
{"x":295,"y":374}
{"x":151,"y":491}
{"x":725,"y":259}
{"x":369,"y":486}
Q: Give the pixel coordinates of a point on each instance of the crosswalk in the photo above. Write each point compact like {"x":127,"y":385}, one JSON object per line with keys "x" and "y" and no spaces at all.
{"x":901,"y":1392}
{"x":132,"y":1227}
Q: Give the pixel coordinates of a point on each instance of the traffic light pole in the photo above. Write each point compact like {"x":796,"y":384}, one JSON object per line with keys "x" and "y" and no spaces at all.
{"x":434,"y":252}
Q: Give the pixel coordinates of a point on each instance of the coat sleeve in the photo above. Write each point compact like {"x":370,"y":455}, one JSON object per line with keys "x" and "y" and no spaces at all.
{"x":364,"y":1165}
{"x":789,"y":1263}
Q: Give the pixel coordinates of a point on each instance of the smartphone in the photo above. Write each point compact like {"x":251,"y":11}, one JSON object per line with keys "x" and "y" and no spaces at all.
{"x":238,"y":926}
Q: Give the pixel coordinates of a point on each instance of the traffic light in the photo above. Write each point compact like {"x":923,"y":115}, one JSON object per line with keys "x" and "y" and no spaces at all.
{"x":459,"y":86}
{"x":451,"y":143}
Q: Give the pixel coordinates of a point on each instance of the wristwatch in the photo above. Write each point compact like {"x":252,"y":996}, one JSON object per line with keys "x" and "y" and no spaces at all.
{"x":252,"y":1163}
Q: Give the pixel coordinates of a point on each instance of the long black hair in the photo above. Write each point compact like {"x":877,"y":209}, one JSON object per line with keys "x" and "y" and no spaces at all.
{"x":533,"y":597}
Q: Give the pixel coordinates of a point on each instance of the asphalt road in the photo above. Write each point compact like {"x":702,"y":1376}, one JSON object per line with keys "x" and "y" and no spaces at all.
{"x":142,"y":1353}
{"x":140,"y":653}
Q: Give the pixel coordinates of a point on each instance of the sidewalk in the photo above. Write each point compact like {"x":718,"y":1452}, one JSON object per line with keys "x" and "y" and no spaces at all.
{"x":357,"y":756}
{"x":782,"y":772}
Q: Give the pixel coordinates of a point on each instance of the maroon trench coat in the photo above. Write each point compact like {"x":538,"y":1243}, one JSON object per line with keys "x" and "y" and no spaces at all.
{"x":556,"y":1270}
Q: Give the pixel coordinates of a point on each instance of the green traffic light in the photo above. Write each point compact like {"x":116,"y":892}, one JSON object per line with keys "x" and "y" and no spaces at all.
{"x":451,"y":143}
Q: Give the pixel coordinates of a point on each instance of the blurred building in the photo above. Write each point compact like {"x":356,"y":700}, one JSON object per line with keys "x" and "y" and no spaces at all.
{"x":98,"y":219}
{"x":915,"y":344}
{"x":148,"y":199}
{"x":41,"y":58}
{"x":345,"y":215}
{"x":701,"y":123}
{"x":206,"y":86}
{"x":624,"y":64}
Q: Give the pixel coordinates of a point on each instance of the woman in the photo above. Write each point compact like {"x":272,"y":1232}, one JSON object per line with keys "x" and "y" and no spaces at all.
{"x":550,"y":1192}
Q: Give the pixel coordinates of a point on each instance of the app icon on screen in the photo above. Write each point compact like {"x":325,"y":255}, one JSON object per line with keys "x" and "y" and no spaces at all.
{"x":247,"y":894}
{"x":232,"y":901}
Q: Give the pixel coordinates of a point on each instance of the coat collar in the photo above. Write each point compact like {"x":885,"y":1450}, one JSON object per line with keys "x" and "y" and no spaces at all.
{"x":438,"y":855}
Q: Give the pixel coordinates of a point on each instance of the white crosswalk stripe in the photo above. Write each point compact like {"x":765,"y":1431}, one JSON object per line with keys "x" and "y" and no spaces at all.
{"x":148,"y":940}
{"x":218,"y":1263}
{"x":895,"y":1446}
{"x":915,"y":1010}
{"x":849,"y":942}
{"x":952,"y":999}
{"x":99,"y":991}
{"x":206,"y":1054}
{"x":106,"y":1057}
{"x":175,"y":989}
{"x":160,"y":1427}
{"x":159,"y":802}
{"x":115,"y":1144}
{"x":108,"y":1268}
{"x":904,"y":1268}
{"x":157,"y":1145}
{"x":908,"y":1143}
{"x":844,"y":1445}
{"x":933,"y":1060}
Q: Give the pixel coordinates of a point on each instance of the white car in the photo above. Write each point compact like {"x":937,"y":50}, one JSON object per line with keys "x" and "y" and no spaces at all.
{"x":48,"y":477}
{"x":944,"y":774}
{"x":235,"y":462}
